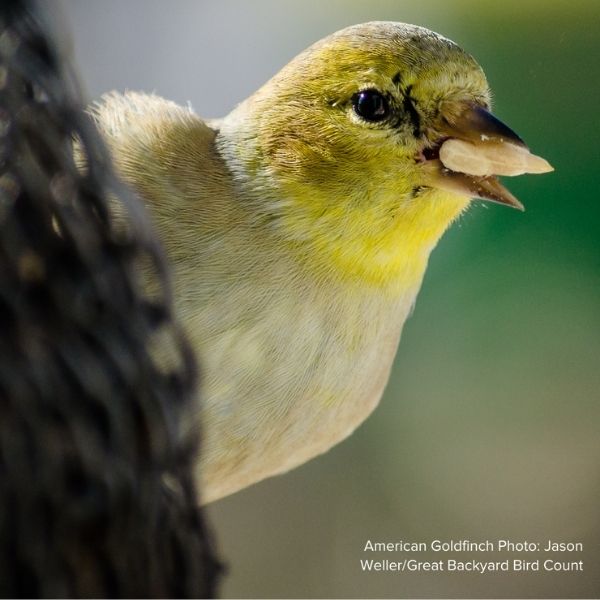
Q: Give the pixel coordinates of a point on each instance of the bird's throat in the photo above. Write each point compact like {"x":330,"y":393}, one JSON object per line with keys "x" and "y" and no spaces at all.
{"x":375,"y":245}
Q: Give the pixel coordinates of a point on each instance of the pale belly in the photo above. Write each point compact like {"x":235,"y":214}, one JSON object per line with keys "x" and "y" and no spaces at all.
{"x":281,"y":389}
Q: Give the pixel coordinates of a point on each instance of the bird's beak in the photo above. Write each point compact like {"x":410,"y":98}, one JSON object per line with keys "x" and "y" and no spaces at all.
{"x":475,"y":147}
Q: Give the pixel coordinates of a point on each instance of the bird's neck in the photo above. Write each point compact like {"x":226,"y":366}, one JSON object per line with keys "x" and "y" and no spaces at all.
{"x":376,"y":235}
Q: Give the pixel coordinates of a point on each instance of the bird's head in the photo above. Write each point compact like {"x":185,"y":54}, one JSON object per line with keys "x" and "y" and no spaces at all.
{"x":341,"y":149}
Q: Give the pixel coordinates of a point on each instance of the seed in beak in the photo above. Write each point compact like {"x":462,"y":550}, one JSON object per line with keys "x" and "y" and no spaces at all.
{"x":490,"y":158}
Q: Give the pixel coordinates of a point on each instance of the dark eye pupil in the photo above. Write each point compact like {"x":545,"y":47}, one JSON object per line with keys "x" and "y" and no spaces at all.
{"x":370,"y":105}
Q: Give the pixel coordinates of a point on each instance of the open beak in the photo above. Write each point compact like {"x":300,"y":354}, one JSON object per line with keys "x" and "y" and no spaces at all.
{"x":476,"y":147}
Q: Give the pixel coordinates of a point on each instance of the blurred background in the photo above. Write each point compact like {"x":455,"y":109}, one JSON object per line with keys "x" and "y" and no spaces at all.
{"x":490,"y":426}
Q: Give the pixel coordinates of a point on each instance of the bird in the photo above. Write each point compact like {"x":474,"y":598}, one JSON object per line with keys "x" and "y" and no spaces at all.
{"x":300,"y":225}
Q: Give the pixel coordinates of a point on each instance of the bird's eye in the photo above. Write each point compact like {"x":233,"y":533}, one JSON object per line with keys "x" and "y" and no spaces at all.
{"x":371,"y":106}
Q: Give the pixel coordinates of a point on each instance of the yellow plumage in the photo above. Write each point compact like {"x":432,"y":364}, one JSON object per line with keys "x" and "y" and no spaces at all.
{"x":299,"y":230}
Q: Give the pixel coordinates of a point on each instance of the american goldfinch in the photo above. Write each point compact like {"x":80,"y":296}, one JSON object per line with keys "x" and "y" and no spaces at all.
{"x":300,"y":225}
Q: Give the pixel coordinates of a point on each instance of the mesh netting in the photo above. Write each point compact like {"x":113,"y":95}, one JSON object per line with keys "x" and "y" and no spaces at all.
{"x":96,"y":492}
